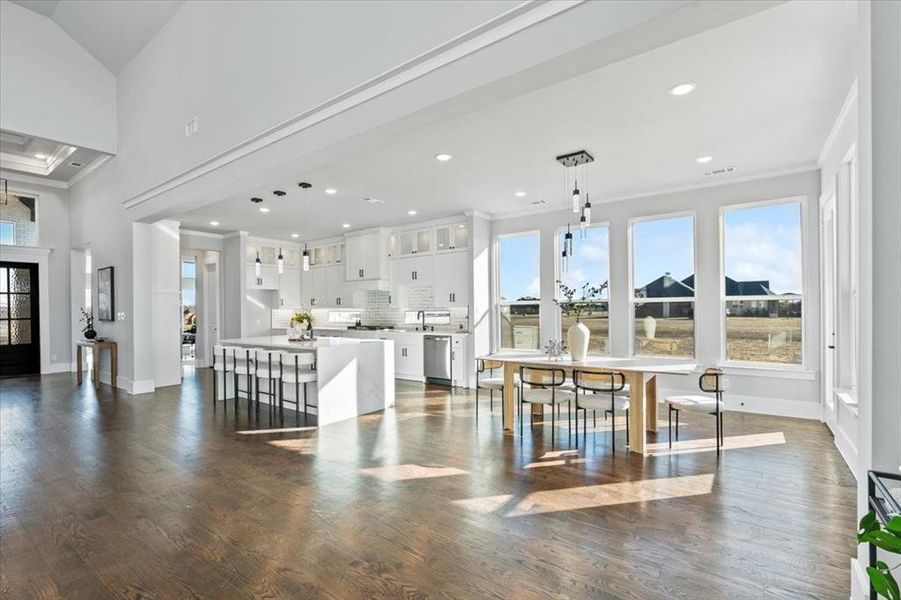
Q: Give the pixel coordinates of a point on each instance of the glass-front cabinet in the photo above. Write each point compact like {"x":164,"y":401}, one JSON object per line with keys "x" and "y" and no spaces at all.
{"x":451,"y":237}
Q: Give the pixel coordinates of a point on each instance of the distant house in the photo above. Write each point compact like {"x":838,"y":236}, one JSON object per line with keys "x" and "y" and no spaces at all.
{"x":666,"y":286}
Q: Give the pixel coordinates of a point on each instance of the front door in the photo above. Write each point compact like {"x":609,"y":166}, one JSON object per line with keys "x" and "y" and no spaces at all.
{"x":20,"y":350}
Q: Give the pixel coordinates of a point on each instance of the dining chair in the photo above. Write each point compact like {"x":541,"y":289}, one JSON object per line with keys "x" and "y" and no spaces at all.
{"x":492,"y":382}
{"x":296,"y":368}
{"x":608,"y":392}
{"x":712,"y":381}
{"x":544,"y":389}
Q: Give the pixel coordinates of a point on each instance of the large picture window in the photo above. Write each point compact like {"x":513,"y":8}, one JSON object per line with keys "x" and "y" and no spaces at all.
{"x":519,"y":285}
{"x":589,"y":265}
{"x":663,"y":285}
{"x":763,"y":290}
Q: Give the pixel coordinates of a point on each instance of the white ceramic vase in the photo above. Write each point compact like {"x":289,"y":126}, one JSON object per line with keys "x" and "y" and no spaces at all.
{"x":650,"y":327}
{"x":577,"y":340}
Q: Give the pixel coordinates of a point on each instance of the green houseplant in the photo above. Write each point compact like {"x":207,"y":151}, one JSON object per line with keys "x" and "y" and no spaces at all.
{"x":577,"y":336}
{"x":886,"y":537}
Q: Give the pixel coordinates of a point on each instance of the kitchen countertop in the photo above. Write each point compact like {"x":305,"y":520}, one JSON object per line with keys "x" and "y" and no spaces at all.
{"x":390,"y":330}
{"x":282,"y":342}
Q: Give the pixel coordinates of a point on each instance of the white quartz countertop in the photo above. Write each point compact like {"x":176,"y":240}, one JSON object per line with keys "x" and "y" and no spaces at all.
{"x":283,"y":343}
{"x":391,"y":330}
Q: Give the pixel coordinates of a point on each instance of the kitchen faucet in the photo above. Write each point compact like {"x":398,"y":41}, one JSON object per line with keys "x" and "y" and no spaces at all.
{"x":421,"y":316}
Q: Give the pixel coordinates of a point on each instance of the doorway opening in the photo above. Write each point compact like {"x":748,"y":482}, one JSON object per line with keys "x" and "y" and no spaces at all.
{"x":188,"y":310}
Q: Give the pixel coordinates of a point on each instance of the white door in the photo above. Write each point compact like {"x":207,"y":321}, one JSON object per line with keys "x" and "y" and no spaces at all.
{"x":828,"y":264}
{"x":210,"y":314}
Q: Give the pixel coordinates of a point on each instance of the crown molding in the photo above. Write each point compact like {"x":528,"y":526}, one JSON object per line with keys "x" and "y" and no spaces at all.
{"x":90,"y":168}
{"x":33,"y":180}
{"x":488,"y":33}
{"x":849,"y":102}
{"x":205,"y":234}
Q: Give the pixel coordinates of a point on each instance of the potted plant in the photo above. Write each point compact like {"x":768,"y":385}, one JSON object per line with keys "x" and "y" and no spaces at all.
{"x":297,"y":323}
{"x":888,"y":538}
{"x":88,"y":320}
{"x":578,"y":335}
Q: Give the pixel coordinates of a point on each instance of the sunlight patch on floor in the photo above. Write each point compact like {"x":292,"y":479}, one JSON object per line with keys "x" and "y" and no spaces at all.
{"x":279,"y":430}
{"x":555,"y":463}
{"x":730,"y":442}
{"x":590,"y":496}
{"x":300,"y":446}
{"x":410,"y":471}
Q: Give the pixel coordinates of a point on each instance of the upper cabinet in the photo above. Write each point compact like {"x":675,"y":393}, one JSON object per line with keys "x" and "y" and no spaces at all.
{"x":366,"y":256}
{"x":417,"y":241}
{"x":453,"y":237}
{"x":449,"y":238}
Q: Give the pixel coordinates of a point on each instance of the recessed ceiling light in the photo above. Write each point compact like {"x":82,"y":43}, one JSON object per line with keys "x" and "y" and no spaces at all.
{"x":264,"y":209}
{"x":519,"y":194}
{"x":295,"y":235}
{"x":682,"y":89}
{"x":345,"y":225}
{"x":443,"y":157}
{"x":704,"y":159}
{"x":331,"y":191}
{"x":40,"y":156}
{"x":411,"y":212}
{"x":214,"y":223}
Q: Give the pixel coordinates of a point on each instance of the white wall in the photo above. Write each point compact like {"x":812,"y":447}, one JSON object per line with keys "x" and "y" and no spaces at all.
{"x":53,"y":233}
{"x":52,"y":87}
{"x":754,"y":390}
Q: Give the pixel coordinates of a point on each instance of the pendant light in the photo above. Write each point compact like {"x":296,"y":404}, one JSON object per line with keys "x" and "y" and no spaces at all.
{"x":306,"y":257}
{"x":586,"y":211}
{"x":583,"y":222}
{"x":281,"y":262}
{"x":567,"y":247}
{"x":577,"y":197}
{"x":258,"y":269}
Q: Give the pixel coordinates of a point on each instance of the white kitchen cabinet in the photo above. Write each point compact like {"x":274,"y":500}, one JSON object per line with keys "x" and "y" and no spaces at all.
{"x":366,"y":256}
{"x":336,"y":292}
{"x":289,"y":288}
{"x":408,"y":349}
{"x":451,"y":238}
{"x":318,"y":291}
{"x":459,"y":361}
{"x":268,"y":278}
{"x":417,"y":241}
{"x":451,"y":279}
{"x":412,"y":270}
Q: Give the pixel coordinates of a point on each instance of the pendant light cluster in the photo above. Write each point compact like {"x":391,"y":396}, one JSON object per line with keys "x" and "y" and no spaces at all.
{"x":575,"y":164}
{"x":258,"y":269}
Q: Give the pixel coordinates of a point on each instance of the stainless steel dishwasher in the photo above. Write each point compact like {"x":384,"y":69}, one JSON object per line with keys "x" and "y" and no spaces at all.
{"x":436,"y":359}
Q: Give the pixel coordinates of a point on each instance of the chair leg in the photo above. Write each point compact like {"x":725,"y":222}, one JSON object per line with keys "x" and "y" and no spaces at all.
{"x":236,"y":395}
{"x":594,"y":416}
{"x":477,"y":401}
{"x":627,"y":428}
{"x":214,"y":386}
{"x":569,"y":420}
{"x":491,"y":396}
{"x":305,"y":405}
{"x":297,"y":405}
{"x":669,"y":424}
{"x":553,"y":422}
{"x":577,"y":423}
{"x":613,"y":431}
{"x":677,"y":423}
{"x":585,"y":424}
{"x":717,"y":419}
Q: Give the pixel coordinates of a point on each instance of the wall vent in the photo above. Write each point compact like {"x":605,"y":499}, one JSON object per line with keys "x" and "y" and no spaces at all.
{"x":75,"y":164}
{"x":537,"y":202}
{"x":720,"y":171}
{"x":191,"y":127}
{"x":373,"y":201}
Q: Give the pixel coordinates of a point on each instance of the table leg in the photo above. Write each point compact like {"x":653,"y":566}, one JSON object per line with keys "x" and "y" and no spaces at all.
{"x":637,"y":413}
{"x":509,"y":394}
{"x":78,"y":350}
{"x":114,"y":366}
{"x":650,"y":388}
{"x":95,"y":356}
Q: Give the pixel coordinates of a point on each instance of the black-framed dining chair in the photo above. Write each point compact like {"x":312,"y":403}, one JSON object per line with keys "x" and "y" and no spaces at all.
{"x":607,"y":392}
{"x":491,"y":383}
{"x":712,"y":381}
{"x":544,"y":389}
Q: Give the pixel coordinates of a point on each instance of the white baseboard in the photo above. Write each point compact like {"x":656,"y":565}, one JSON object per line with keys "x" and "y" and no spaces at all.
{"x":143,"y":386}
{"x":58,"y":368}
{"x":860,"y":583}
{"x":846,"y":448}
{"x":778,"y":407}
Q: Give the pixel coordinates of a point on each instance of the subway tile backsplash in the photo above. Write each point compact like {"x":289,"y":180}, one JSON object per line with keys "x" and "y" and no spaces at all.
{"x":377,"y":309}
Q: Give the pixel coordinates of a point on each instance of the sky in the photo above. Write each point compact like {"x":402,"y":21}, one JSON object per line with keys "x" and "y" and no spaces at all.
{"x":761,"y":243}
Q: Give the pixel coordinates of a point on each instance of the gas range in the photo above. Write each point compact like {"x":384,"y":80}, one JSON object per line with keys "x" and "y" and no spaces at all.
{"x":370,"y":327}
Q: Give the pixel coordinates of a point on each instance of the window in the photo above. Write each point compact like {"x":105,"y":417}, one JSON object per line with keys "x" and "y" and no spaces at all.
{"x":18,"y":221}
{"x":763,"y":265}
{"x":519,"y":285}
{"x":7,"y":233}
{"x":590,"y":264}
{"x":663,"y":287}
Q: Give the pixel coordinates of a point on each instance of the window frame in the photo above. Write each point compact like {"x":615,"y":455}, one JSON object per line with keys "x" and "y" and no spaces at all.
{"x":558,"y":315}
{"x":803,"y":296}
{"x":498,"y":338}
{"x":13,"y":223}
{"x":630,"y":248}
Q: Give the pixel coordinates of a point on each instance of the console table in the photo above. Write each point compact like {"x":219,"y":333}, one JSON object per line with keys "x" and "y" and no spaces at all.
{"x":97,"y":346}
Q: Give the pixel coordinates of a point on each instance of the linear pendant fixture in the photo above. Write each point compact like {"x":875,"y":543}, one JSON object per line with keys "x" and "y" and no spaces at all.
{"x":306,"y":257}
{"x":281,"y":262}
{"x":586,"y":211}
{"x":258,"y":269}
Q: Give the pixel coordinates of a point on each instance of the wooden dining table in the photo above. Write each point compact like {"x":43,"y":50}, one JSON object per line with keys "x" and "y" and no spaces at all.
{"x":640,"y":373}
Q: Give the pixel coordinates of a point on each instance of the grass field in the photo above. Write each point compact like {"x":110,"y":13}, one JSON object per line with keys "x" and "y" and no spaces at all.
{"x":751,"y":339}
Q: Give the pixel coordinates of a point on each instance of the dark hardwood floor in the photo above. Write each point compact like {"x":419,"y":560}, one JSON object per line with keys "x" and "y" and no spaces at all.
{"x":161,"y":496}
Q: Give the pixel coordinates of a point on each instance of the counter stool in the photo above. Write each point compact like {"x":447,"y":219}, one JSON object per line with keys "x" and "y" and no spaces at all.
{"x":491,"y":383}
{"x":220,"y":365}
{"x":263,"y":368}
{"x":237,"y":361}
{"x":297,"y":368}
{"x":545,"y":384}
{"x":712,"y":381}
{"x":607,"y":392}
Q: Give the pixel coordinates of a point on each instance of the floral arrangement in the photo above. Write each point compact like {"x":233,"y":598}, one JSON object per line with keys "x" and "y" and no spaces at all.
{"x":88,"y":320}
{"x":571,"y":306}
{"x":302,"y":316}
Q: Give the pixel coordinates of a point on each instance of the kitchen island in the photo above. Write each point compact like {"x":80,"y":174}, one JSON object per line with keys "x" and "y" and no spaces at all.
{"x":354,"y":376}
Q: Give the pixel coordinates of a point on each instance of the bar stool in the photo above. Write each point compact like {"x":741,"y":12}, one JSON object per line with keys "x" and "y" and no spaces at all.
{"x":712,"y":381}
{"x":491,"y":383}
{"x":263,"y":368}
{"x":237,"y":361}
{"x":606,"y":390}
{"x":297,"y":368}
{"x":220,"y":365}
{"x":545,"y":384}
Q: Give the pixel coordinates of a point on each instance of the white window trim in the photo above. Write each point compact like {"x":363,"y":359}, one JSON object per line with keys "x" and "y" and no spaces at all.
{"x":496,"y":288}
{"x":13,"y":223}
{"x":558,"y":316}
{"x":801,"y":369}
{"x":631,"y":268}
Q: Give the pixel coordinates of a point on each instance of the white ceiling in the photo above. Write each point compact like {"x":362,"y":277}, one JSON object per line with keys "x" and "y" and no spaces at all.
{"x":33,"y":156}
{"x":113,"y":31}
{"x":768,"y":90}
